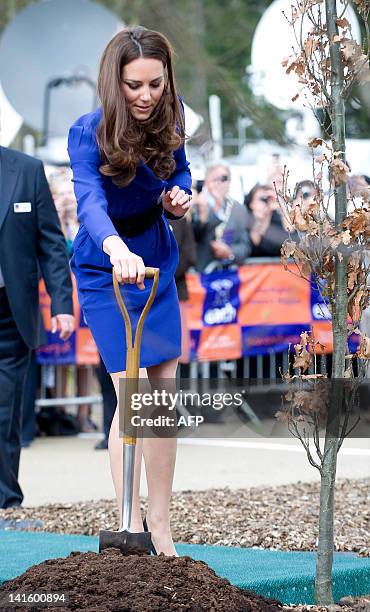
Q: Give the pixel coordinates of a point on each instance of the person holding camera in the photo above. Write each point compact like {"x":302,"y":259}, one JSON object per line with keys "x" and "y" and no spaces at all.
{"x":219,"y":222}
{"x":264,"y":223}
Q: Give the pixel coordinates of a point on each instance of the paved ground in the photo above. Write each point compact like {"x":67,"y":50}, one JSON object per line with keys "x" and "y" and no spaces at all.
{"x":69,"y":469}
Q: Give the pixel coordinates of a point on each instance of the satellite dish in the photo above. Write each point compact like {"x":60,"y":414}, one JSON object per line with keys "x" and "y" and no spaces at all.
{"x":269,"y":78}
{"x":60,"y":43}
{"x":192,"y":120}
{"x":10,"y":120}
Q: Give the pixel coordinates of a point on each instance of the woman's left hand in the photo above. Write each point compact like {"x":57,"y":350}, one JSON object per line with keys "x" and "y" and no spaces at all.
{"x":176,"y":201}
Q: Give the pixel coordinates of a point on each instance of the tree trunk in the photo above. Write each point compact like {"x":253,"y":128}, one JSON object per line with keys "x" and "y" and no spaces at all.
{"x":323,"y":581}
{"x":324,"y":563}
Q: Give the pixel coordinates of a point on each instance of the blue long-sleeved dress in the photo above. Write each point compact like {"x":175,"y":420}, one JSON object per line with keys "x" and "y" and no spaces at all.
{"x":99,"y":200}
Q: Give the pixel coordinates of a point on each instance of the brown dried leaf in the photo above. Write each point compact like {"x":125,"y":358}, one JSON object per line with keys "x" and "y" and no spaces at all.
{"x":282,"y":416}
{"x":322,"y":348}
{"x":356,"y":273}
{"x":313,"y":227}
{"x":351,"y":50}
{"x":302,"y":357}
{"x":315,"y":142}
{"x":297,"y":219}
{"x":298,"y":66}
{"x":310,"y":45}
{"x":364,"y":348}
{"x":287,"y":250}
{"x":334,"y":241}
{"x":305,"y":268}
{"x":340,"y":171}
{"x":343,"y":23}
{"x":303,"y":360}
{"x":295,"y":15}
{"x":354,"y":305}
{"x":358,"y":222}
{"x":309,"y":401}
{"x":300,"y":8}
{"x":302,"y":400}
{"x":352,"y":279}
{"x":346,"y":237}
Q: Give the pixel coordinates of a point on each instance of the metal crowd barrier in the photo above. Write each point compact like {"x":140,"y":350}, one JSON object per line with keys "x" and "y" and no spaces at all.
{"x":264,"y":370}
{"x":52,"y":378}
{"x":267,"y":369}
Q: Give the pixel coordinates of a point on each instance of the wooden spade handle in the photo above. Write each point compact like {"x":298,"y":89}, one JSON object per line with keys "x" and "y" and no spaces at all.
{"x":133,"y":346}
{"x":151,"y":272}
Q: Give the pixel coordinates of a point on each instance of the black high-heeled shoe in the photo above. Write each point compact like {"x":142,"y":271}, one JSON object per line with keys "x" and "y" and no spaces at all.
{"x":152,"y":548}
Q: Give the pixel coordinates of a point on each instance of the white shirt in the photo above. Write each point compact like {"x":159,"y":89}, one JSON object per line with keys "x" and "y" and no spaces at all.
{"x":220,"y":213}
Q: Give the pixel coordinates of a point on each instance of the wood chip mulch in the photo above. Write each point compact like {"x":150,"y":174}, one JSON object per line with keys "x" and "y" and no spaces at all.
{"x":278,"y":518}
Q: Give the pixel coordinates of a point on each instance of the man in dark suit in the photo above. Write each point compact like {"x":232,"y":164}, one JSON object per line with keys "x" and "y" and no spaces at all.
{"x":31,"y":242}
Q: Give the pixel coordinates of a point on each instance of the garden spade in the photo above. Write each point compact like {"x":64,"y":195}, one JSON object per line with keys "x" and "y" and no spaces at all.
{"x":130,"y":543}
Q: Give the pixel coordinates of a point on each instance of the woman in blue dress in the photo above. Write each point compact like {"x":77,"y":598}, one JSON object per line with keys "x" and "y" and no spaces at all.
{"x":129,"y":172}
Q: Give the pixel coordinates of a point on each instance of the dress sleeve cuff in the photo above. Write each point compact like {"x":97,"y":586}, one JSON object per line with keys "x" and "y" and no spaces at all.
{"x":104,"y":234}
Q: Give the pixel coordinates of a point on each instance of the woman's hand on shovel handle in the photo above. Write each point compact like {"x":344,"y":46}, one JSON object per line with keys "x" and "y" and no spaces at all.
{"x":128,"y":267}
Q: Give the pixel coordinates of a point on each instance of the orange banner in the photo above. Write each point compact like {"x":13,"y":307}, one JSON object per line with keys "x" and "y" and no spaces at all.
{"x":255,"y":310}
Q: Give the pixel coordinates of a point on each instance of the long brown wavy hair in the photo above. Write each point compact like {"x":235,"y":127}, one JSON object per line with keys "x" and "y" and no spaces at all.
{"x":123,"y":140}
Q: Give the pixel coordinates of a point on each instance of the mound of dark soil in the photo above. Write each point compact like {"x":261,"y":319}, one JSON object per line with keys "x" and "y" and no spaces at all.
{"x":111,"y":581}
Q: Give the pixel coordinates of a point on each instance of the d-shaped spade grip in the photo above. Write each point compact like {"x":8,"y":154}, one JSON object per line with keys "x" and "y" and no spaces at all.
{"x":133,"y":346}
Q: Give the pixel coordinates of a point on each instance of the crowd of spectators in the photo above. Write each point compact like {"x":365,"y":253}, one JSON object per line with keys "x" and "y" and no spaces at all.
{"x":228,"y":232}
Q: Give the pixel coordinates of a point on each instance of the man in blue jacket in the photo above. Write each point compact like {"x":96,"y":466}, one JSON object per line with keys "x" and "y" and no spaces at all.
{"x":31,"y":242}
